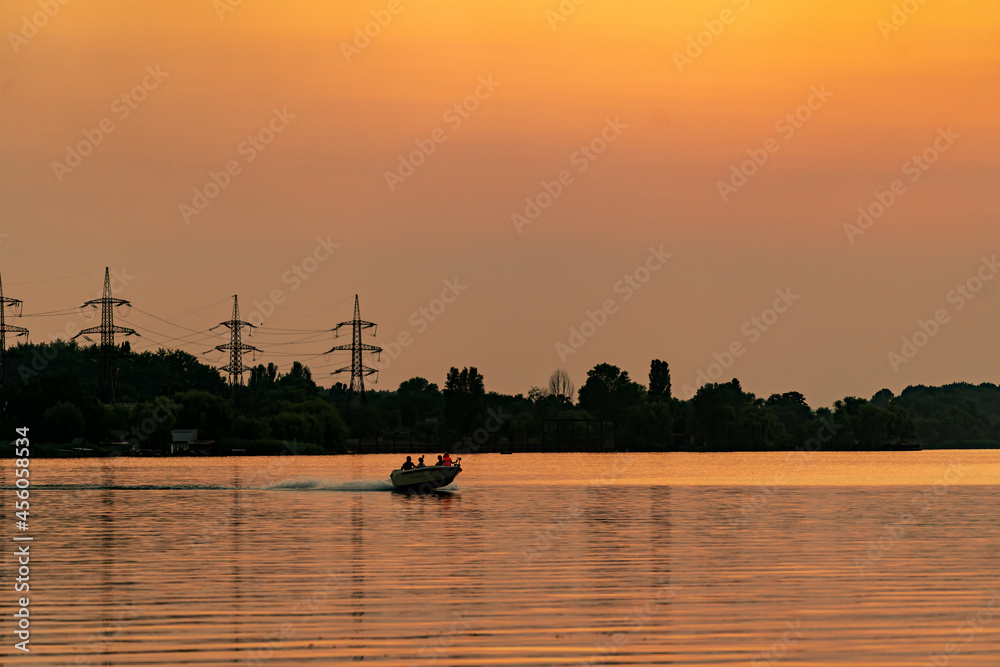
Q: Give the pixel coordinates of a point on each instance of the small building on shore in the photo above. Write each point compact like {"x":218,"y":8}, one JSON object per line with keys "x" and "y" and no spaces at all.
{"x":185,"y":441}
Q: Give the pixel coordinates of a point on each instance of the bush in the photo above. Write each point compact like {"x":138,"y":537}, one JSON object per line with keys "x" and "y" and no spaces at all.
{"x":62,"y":422}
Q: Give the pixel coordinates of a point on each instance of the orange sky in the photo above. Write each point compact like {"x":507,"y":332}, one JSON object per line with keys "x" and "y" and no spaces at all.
{"x":556,"y":85}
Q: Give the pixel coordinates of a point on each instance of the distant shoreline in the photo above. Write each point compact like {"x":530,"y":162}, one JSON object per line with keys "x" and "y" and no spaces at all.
{"x":49,"y":451}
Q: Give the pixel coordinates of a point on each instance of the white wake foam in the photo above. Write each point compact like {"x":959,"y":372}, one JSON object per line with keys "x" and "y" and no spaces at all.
{"x":318,"y":484}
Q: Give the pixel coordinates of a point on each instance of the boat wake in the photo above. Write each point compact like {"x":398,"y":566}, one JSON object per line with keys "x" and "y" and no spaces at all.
{"x":128,"y":487}
{"x":295,"y":484}
{"x":316,"y":484}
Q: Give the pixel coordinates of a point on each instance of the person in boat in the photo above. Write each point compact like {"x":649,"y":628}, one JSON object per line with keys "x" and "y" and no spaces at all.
{"x":420,"y":463}
{"x":408,"y":464}
{"x":446,"y":461}
{"x":439,"y":461}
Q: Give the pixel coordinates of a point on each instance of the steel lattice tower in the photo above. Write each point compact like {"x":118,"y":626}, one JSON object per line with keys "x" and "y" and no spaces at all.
{"x":15,"y":306}
{"x":236,"y":347}
{"x":108,"y":329}
{"x":356,"y":394}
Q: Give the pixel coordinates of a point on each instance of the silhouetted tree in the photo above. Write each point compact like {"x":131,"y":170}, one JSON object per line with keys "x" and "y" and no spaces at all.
{"x":723,"y":417}
{"x":882,"y":397}
{"x":609,"y":392}
{"x":53,"y":386}
{"x":262,"y":377}
{"x":208,"y":413}
{"x":145,"y":375}
{"x":419,"y":400}
{"x":793,"y":411}
{"x":872,"y":426}
{"x":715,"y":415}
{"x":298,"y":376}
{"x":659,"y":380}
{"x":464,"y":397}
{"x":561,"y":386}
{"x":648,"y":425}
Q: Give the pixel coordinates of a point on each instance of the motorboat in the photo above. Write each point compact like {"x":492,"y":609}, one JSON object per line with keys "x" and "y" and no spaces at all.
{"x":426,"y":478}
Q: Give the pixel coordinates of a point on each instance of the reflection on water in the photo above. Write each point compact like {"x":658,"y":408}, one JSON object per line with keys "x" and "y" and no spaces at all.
{"x":532,"y":560}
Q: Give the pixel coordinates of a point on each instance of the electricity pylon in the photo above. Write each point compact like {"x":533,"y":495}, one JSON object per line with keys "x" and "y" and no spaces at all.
{"x":356,"y":394}
{"x":236,"y":347}
{"x":15,"y":308}
{"x":108,"y":370}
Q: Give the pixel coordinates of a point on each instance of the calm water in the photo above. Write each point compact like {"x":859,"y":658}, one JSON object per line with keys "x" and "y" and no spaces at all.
{"x":874,"y":559}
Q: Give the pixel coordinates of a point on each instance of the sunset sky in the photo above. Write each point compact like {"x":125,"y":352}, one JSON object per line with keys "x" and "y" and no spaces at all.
{"x":643,"y":109}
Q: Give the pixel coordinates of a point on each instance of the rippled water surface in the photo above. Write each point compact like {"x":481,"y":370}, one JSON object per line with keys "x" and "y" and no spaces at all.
{"x":877,"y":559}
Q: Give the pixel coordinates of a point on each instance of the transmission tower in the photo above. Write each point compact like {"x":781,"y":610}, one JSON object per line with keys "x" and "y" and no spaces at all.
{"x":356,"y":394}
{"x":107,"y":329}
{"x":15,"y":308}
{"x":236,"y":347}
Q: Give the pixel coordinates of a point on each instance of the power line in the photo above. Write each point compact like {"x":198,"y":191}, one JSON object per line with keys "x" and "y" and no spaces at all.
{"x":50,"y":280}
{"x":324,"y":309}
{"x":169,"y":322}
{"x":167,"y":338}
{"x":263,"y":329}
{"x":294,"y":354}
{"x":196,"y":311}
{"x":294,"y":342}
{"x":53,"y":313}
{"x":325,"y":305}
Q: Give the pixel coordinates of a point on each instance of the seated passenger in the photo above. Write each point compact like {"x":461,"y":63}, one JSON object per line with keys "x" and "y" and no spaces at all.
{"x":439,"y":462}
{"x":407,"y":465}
{"x":446,"y":461}
{"x":420,"y":463}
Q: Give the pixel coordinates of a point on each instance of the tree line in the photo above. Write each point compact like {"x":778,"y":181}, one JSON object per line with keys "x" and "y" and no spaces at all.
{"x":52,"y":388}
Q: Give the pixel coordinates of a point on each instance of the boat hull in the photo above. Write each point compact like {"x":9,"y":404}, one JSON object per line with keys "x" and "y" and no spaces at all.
{"x":431,"y":477}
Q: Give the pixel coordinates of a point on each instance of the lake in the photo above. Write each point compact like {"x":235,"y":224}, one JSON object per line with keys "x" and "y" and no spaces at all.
{"x":826,"y":558}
